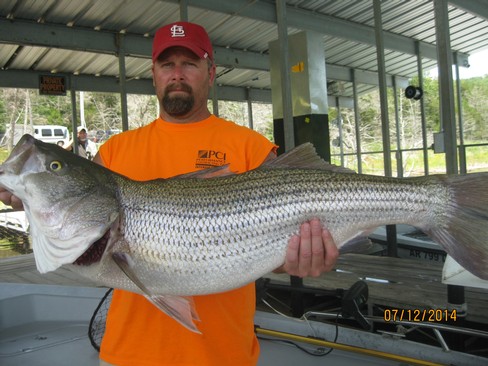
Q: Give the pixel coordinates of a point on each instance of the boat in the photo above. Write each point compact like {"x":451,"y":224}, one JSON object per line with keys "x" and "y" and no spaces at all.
{"x":14,"y":220}
{"x":410,"y":242}
{"x":48,"y":324}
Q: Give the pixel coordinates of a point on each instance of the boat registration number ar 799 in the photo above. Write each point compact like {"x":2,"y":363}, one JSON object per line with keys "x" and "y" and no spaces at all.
{"x":428,"y":255}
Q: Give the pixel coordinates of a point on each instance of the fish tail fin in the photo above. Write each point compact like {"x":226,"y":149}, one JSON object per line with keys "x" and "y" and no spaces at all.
{"x":463,"y":231}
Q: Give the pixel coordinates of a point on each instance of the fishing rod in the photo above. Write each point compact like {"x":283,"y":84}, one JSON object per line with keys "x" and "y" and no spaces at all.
{"x":343,"y":347}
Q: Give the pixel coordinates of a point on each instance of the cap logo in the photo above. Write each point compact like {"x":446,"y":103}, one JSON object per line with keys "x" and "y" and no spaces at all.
{"x":177,"y":31}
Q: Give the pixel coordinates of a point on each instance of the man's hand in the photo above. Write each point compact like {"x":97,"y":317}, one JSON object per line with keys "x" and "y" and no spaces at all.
{"x":10,"y":200}
{"x":311,"y":253}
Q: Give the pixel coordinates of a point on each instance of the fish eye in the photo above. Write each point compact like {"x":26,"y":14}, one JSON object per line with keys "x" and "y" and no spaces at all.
{"x":55,"y":165}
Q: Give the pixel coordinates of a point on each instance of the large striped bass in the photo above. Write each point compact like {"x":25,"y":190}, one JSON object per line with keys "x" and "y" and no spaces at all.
{"x":172,"y":238}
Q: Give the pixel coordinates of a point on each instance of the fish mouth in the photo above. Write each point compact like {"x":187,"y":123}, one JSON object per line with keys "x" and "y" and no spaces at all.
{"x":18,"y":157}
{"x":94,"y":253}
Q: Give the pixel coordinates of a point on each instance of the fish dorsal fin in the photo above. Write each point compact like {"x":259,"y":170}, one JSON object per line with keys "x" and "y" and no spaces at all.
{"x":219,"y":171}
{"x":304,"y":156}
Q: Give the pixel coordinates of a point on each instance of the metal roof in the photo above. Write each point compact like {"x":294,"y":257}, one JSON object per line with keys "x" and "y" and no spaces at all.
{"x":82,"y":38}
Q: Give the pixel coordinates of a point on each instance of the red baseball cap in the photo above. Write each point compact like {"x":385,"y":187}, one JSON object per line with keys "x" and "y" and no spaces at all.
{"x":183,"y":34}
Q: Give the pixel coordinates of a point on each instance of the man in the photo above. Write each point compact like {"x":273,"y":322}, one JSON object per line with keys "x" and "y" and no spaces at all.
{"x":86,"y":147}
{"x":186,"y":137}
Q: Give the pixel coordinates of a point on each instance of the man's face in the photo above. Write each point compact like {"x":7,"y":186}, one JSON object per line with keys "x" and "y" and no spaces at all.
{"x":182,"y":81}
{"x":82,"y":135}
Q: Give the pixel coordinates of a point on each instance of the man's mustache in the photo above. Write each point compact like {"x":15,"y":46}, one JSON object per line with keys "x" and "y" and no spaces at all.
{"x":178,"y":87}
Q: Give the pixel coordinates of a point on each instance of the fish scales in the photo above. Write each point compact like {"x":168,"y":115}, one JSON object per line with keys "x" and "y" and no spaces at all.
{"x":200,"y":231}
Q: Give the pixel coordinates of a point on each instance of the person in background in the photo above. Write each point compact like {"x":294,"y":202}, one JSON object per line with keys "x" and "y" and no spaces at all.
{"x":186,"y":137}
{"x":86,"y":147}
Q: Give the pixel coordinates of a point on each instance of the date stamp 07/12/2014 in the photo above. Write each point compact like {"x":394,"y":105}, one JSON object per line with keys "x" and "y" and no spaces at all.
{"x":419,"y":315}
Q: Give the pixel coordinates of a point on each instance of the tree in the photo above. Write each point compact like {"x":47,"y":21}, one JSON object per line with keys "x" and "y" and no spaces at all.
{"x":14,"y":106}
{"x":475,"y":108}
{"x":142,"y":109}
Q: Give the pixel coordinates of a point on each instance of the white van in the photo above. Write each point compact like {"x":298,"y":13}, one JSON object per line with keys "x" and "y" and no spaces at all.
{"x":53,"y":134}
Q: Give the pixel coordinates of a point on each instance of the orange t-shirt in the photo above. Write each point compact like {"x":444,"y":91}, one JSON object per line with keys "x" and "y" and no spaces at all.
{"x":138,"y":333}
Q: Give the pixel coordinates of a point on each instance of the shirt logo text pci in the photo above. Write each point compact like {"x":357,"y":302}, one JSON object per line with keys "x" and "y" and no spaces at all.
{"x":210,"y":158}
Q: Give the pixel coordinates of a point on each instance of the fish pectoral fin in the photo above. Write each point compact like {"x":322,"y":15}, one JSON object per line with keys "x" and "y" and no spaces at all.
{"x":180,"y":308}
